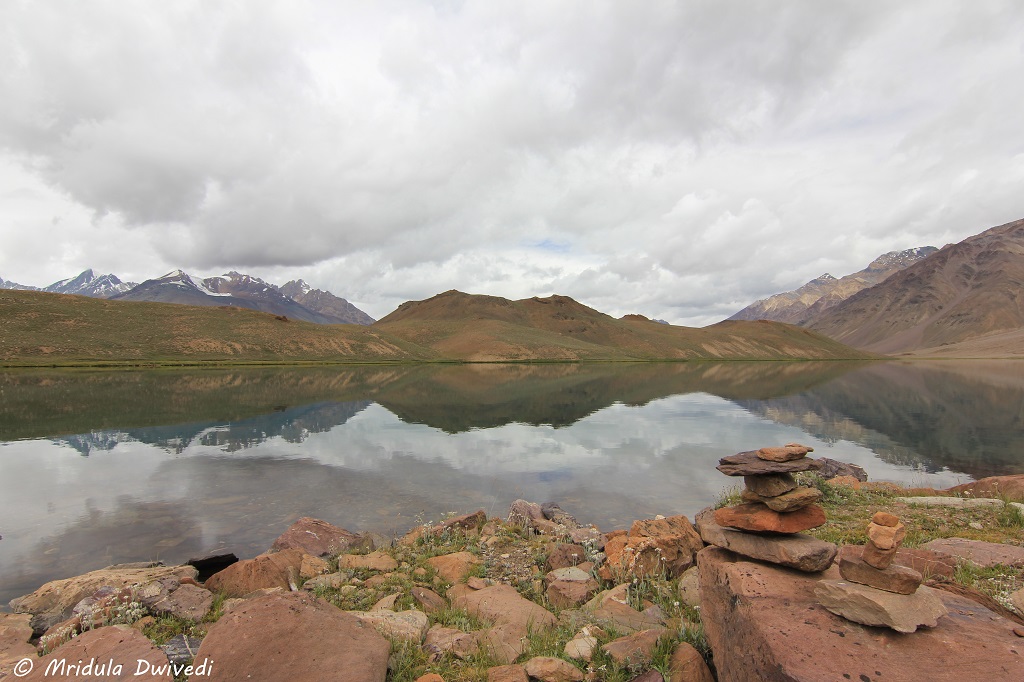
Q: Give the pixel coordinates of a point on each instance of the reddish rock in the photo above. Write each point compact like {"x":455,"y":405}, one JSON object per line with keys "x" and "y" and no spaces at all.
{"x":886,"y":537}
{"x":869,"y":606}
{"x":652,"y":547}
{"x":770,"y":485}
{"x":567,"y":594}
{"x":52,"y":603}
{"x":1001,"y":487}
{"x":430,"y":677}
{"x":295,"y":637}
{"x":529,"y":515}
{"x":374,"y":561}
{"x":316,"y":537}
{"x":749,"y":464}
{"x":687,"y":665}
{"x":983,"y":554}
{"x":453,"y":567}
{"x":550,"y":669}
{"x":280,"y":569}
{"x":512,"y":616}
{"x":120,"y":649}
{"x":507,"y":673}
{"x":757,"y":517}
{"x":409,"y":626}
{"x":765,"y":623}
{"x":609,"y":608}
{"x":927,"y":563}
{"x":885,"y":519}
{"x":466,"y":523}
{"x":784,"y":454}
{"x":895,"y":578}
{"x":791,"y":501}
{"x":649,"y":676}
{"x":313,"y":566}
{"x":564,"y":554}
{"x":832,"y":468}
{"x":429,"y":601}
{"x":15,"y":633}
{"x":636,"y":649}
{"x":442,"y":640}
{"x":187,"y":602}
{"x":879,"y":558}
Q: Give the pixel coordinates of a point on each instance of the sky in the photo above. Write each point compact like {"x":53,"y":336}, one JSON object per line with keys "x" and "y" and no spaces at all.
{"x":674,"y":159}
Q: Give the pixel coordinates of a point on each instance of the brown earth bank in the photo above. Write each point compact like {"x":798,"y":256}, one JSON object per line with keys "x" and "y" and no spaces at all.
{"x":539,"y":596}
{"x":42,"y":329}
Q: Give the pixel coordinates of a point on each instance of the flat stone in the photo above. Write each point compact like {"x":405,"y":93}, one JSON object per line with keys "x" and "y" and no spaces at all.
{"x":581,"y":647}
{"x":507,"y":673}
{"x":770,"y":485}
{"x":797,"y":498}
{"x":316,"y":537}
{"x":453,"y":567}
{"x":429,"y":601}
{"x":410,"y":626}
{"x":801,"y":552}
{"x":784,"y":454}
{"x":551,"y":669}
{"x":984,"y":554}
{"x":885,"y":519}
{"x":293,"y":636}
{"x":895,"y":578}
{"x":636,"y":649}
{"x":374,"y":561}
{"x":1003,"y":487}
{"x":867,"y":606}
{"x":567,"y":594}
{"x":187,"y":602}
{"x":749,"y":464}
{"x":569,"y":574}
{"x":332,"y":581}
{"x":958,"y":502}
{"x":886,"y":537}
{"x":687,"y":665}
{"x":121,"y":649}
{"x":765,"y":623}
{"x":443,"y":640}
{"x":512,"y":617}
{"x":757,"y":517}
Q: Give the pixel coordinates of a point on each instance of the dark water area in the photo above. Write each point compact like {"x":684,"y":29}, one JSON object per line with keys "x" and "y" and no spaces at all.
{"x":98,"y":468}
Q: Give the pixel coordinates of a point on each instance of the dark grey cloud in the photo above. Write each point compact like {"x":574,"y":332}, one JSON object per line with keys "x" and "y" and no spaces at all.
{"x":686,"y":157}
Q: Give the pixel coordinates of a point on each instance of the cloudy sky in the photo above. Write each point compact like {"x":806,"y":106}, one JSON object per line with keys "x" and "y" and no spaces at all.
{"x":676,"y":159}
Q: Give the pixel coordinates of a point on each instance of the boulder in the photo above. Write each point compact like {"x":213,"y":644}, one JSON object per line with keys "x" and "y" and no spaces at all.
{"x":758,"y":518}
{"x":611,"y":608}
{"x":749,"y":464}
{"x":550,"y":669}
{"x":116,"y":653}
{"x":374,"y":561}
{"x":764,"y":622}
{"x":52,"y":603}
{"x":687,"y":665}
{"x":409,"y":626}
{"x":982,"y":554}
{"x":552,"y":512}
{"x":187,"y":602}
{"x":635,"y":649}
{"x":441,"y":640}
{"x":296,"y":637}
{"x":783,"y":454}
{"x":797,"y":551}
{"x":926,"y":562}
{"x":831,"y":468}
{"x":1002,"y":487}
{"x":316,"y":537}
{"x":464,"y":523}
{"x":651,"y":547}
{"x":453,"y":567}
{"x":689,"y":587}
{"x":567,"y":594}
{"x":280,"y":569}
{"x":512,"y":617}
{"x":566,"y":554}
{"x":429,"y":601}
{"x":530,"y":515}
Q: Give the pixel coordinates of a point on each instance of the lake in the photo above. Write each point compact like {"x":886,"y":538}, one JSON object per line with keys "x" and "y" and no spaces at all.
{"x":107,"y":467}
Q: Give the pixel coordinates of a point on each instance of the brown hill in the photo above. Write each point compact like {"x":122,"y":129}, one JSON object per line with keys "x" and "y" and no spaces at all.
{"x":489,"y":328}
{"x":964,"y":292}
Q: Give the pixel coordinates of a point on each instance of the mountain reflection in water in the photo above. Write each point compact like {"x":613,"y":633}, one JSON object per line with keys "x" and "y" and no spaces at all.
{"x":179,"y":463}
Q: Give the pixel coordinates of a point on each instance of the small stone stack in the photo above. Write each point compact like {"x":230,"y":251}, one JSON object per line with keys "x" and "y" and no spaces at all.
{"x":772,"y":500}
{"x":875,"y":591}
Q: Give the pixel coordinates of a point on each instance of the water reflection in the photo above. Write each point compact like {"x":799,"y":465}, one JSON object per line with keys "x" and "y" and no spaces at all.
{"x":180,"y":463}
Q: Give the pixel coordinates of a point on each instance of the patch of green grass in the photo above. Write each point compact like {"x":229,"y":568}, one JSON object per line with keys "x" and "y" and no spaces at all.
{"x":167,"y":627}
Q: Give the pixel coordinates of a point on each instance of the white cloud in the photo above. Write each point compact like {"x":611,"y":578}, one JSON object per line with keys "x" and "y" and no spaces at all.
{"x":686,"y":157}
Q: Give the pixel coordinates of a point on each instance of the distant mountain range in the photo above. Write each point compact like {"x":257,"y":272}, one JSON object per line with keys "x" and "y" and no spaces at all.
{"x":812,"y":299}
{"x":295,"y":300}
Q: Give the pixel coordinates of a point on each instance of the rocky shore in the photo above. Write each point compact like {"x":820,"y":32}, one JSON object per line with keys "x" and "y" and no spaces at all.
{"x":741,"y":593}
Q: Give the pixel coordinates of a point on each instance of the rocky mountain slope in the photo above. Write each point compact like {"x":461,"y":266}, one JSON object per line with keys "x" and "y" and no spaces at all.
{"x":88,"y":283}
{"x":806,"y":303}
{"x":325,"y":303}
{"x":964,"y":293}
{"x":14,"y":286}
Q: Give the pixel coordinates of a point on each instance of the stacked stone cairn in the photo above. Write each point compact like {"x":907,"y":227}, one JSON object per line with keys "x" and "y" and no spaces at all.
{"x":876,"y":591}
{"x":772,"y":500}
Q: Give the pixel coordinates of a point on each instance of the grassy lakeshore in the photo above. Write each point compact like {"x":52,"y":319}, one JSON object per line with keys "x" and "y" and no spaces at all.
{"x":509,"y":554}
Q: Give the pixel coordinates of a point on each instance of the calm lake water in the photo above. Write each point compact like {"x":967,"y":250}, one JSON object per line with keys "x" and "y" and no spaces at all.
{"x":107,"y":467}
